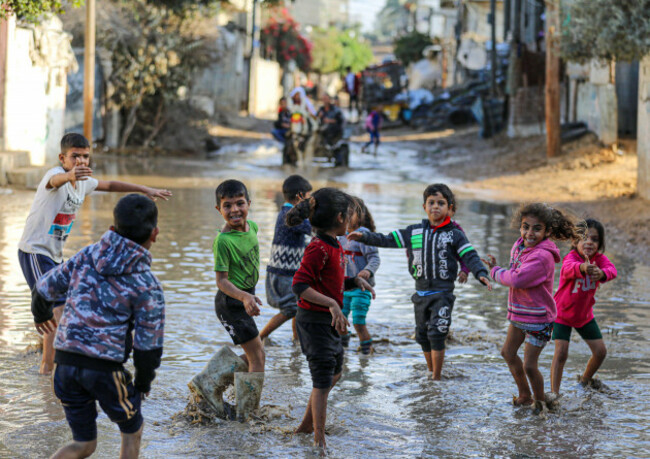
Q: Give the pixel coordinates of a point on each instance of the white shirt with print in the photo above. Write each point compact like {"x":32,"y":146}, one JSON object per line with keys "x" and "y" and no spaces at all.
{"x":52,"y":215}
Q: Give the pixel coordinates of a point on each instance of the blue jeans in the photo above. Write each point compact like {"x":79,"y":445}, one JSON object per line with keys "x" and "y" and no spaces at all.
{"x":280,"y":134}
{"x":374,"y":137}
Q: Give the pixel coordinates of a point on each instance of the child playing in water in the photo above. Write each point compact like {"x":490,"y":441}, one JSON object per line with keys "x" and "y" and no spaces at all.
{"x":463,"y":271}
{"x":59,"y":196}
{"x":531,"y":308}
{"x":286,"y":252}
{"x":114,"y":304}
{"x":432,"y":247}
{"x":319,"y":284}
{"x":362,"y":261}
{"x":583,"y":270}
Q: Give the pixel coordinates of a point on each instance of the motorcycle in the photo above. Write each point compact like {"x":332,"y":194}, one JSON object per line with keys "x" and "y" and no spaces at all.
{"x":337,"y":150}
{"x":303,"y":142}
{"x":297,"y":140}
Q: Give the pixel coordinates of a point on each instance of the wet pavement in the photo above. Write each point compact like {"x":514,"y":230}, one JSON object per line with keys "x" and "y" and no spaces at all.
{"x":385,"y":404}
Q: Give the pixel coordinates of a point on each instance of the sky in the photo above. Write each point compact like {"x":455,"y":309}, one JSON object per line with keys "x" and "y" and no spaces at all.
{"x":365,"y":12}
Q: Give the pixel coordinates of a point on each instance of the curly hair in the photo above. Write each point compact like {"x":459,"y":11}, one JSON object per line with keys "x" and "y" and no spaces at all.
{"x":321,"y":209}
{"x":583,"y":227}
{"x":560,"y":224}
{"x":363,"y":214}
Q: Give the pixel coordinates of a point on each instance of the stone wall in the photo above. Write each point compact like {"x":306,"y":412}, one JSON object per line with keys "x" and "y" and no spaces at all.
{"x":643,"y":129}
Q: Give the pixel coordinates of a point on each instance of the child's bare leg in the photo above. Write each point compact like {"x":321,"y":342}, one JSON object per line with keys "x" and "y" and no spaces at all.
{"x":47,"y":360}
{"x":531,"y":356}
{"x":513,"y":342}
{"x":254,"y":354}
{"x":557,"y":367}
{"x":273,"y":324}
{"x":362,"y":332}
{"x":438,"y":358}
{"x":307,"y":424}
{"x":75,"y":450}
{"x":295,"y":330}
{"x":319,"y":412}
{"x":598,"y":354}
{"x":429,"y":359}
{"x":131,"y":444}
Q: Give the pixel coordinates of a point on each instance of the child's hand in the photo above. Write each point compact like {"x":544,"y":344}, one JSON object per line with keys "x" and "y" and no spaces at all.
{"x":79,"y":173}
{"x":154,"y":193}
{"x":364,"y":274}
{"x":490,"y":261}
{"x":462,"y":277}
{"x":250,"y":304}
{"x":364,"y":285}
{"x":339,"y":322}
{"x":594,"y":272}
{"x":49,"y":326}
{"x":484,"y":280}
{"x":355,"y":236}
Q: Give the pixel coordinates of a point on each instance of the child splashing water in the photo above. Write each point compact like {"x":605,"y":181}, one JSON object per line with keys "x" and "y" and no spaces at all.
{"x":583,"y":270}
{"x":319,"y":284}
{"x":531,"y":308}
{"x":362,"y":261}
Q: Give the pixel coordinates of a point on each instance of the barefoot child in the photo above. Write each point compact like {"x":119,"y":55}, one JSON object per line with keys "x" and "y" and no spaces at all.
{"x":531,"y":308}
{"x":286,"y":252}
{"x":114,"y":304}
{"x":237,"y":264}
{"x":59,"y":197}
{"x":432,"y":247}
{"x":583,"y":270}
{"x":362,"y":261}
{"x":319,"y":283}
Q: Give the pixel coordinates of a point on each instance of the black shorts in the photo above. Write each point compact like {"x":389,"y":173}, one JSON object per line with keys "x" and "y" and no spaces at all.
{"x":232,"y":314}
{"x":78,"y":388}
{"x":432,"y":319}
{"x":322,"y":346}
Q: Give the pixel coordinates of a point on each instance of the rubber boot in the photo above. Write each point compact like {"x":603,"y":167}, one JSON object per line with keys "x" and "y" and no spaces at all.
{"x":214,"y":379}
{"x":248,"y":391}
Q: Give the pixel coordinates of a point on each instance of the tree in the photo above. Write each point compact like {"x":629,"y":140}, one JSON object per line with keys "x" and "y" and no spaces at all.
{"x":408,"y":48}
{"x":356,"y":54}
{"x":33,"y":10}
{"x":604,"y":29}
{"x":282,"y":42}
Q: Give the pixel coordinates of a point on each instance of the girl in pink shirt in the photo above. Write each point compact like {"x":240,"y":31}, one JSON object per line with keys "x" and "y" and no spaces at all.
{"x":583,"y":270}
{"x":531,"y":308}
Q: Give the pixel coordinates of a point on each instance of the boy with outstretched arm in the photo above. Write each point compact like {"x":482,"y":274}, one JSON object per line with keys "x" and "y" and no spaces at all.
{"x":114,"y":303}
{"x":432,"y":247}
{"x":237,"y":264}
{"x":59,"y":197}
{"x":286,"y":252}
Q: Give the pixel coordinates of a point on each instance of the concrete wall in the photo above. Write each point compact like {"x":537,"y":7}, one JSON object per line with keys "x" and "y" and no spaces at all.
{"x":267,"y":90}
{"x":597,"y":105}
{"x":643,"y":129}
{"x":38,"y":59}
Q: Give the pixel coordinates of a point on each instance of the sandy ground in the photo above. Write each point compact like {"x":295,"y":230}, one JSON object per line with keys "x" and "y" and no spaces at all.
{"x":587,"y":179}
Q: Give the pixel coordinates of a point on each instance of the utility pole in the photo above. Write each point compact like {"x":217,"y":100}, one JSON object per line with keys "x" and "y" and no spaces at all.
{"x":89,"y":70}
{"x":493,"y":38}
{"x":552,"y":92}
{"x":252,"y":62}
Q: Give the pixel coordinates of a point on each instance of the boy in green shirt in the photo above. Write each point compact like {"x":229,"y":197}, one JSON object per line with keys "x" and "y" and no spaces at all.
{"x":237,"y":263}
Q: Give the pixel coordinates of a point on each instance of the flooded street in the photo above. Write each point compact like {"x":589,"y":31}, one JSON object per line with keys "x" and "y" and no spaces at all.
{"x":385,"y":404}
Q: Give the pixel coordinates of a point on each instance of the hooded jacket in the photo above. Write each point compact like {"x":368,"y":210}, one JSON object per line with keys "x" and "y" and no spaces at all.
{"x":110,"y":293}
{"x":530,"y":278}
{"x":432,"y":253}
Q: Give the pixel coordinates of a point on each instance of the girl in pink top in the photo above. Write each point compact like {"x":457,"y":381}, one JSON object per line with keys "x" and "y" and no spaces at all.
{"x":583,"y":270}
{"x":531,"y":308}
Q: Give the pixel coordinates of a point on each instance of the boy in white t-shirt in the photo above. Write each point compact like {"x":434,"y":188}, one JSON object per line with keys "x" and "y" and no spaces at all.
{"x":58,"y":198}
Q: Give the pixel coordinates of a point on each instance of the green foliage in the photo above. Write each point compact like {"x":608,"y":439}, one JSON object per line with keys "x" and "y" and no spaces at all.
{"x":33,"y":10}
{"x":408,"y":48}
{"x":282,"y":42}
{"x":334,"y":50}
{"x":606,"y":29}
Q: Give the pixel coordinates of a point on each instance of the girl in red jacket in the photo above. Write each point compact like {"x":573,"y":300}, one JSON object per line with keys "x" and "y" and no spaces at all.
{"x":583,"y":270}
{"x":319,"y":284}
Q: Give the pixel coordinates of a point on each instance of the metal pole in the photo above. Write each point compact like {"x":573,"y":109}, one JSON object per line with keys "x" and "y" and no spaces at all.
{"x":493,"y":69}
{"x":89,"y":70}
{"x":507,"y":11}
{"x":251,"y":61}
{"x":552,"y":92}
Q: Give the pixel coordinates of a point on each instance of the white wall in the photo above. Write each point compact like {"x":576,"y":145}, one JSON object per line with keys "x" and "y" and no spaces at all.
{"x":597,"y":105}
{"x":37,"y":63}
{"x":643,"y":129}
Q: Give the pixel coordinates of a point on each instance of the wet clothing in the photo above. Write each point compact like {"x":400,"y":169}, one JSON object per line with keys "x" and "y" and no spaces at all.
{"x":432,"y":253}
{"x":238,"y":254}
{"x":530,"y":278}
{"x":288,"y":244}
{"x":233,"y":316}
{"x":321,"y":344}
{"x":52,"y":215}
{"x":433,"y":319}
{"x":537,"y":334}
{"x":78,"y":388}
{"x":589,"y":331}
{"x":575,"y":294}
{"x":34,"y":265}
{"x":113,"y":303}
{"x":357,"y":302}
{"x":359,"y":256}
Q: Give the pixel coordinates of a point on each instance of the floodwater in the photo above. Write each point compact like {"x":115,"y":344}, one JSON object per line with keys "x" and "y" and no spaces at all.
{"x":385,"y":405}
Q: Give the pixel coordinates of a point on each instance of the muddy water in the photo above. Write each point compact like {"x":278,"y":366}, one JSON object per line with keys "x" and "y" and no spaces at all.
{"x":385,"y":405}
